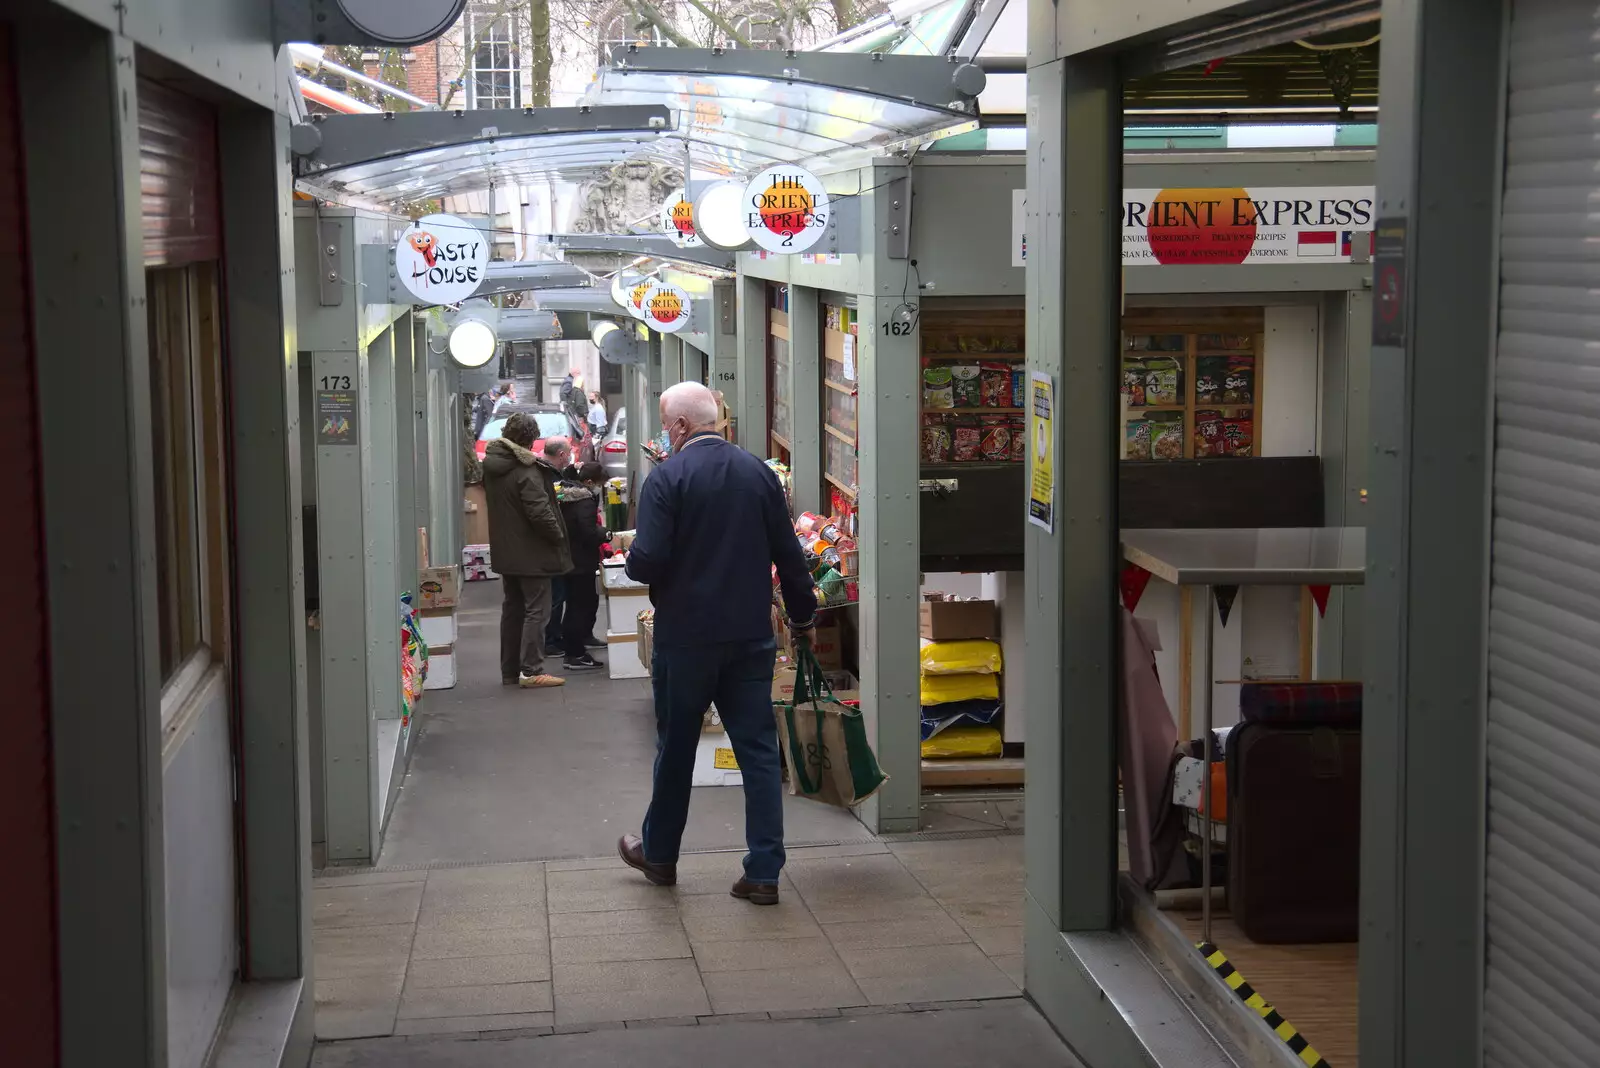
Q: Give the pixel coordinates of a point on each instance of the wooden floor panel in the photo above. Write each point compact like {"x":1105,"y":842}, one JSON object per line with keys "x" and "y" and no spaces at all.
{"x":1314,"y":987}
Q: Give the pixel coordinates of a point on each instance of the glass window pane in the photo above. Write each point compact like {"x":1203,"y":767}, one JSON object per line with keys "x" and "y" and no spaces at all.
{"x":172,"y":429}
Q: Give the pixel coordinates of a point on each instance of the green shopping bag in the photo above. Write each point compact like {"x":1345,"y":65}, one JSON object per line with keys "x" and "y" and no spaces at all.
{"x":825,"y":743}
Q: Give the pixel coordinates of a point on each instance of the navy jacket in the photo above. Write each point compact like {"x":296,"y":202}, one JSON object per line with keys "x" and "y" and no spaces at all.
{"x":712,"y":522}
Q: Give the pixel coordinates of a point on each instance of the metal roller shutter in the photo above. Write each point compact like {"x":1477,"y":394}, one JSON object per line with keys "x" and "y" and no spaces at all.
{"x":1543,"y":889}
{"x":178,"y":184}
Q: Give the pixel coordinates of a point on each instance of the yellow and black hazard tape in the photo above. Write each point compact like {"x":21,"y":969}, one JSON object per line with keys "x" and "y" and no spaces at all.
{"x":1282,"y":1028}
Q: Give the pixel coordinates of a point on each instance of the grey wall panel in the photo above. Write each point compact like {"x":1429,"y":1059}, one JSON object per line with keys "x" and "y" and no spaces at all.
{"x":954,"y":257}
{"x":202,"y":945}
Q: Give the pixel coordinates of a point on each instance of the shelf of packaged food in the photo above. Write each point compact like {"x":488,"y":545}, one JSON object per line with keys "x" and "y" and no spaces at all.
{"x":1201,"y":403}
{"x":973,"y":411}
{"x":840,"y":434}
{"x":1133,"y":408}
{"x":994,"y":771}
{"x":1223,"y":352}
{"x":968,"y":357}
{"x":848,"y":491}
{"x":840,"y":386}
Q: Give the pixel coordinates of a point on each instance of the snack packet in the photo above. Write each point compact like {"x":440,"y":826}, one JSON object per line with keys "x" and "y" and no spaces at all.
{"x":968,"y":387}
{"x":937,"y":388}
{"x":995,"y":385}
{"x":936,"y":439}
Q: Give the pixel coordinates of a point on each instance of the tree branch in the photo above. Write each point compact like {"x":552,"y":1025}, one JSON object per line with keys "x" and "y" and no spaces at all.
{"x":722,"y":24}
{"x":646,"y":12}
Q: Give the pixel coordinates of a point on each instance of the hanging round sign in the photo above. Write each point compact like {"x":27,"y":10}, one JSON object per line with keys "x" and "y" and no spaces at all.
{"x":677,"y":219}
{"x":666,"y":308}
{"x":637,"y":294}
{"x":441,"y":259}
{"x":786,"y":209}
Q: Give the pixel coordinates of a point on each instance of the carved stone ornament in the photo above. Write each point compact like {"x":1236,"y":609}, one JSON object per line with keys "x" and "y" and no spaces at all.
{"x":628,"y":196}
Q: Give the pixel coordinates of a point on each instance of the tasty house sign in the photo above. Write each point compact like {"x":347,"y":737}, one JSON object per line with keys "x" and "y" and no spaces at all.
{"x":1257,"y":225}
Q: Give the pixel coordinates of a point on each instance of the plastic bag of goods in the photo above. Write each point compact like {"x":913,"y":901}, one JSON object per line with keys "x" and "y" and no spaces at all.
{"x":964,"y":743}
{"x":944,"y":689}
{"x":960,"y":658}
{"x":936,"y":718}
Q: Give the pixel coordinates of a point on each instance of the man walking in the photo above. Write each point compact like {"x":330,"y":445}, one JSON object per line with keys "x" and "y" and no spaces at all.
{"x":712,"y":523}
{"x":527,"y":543}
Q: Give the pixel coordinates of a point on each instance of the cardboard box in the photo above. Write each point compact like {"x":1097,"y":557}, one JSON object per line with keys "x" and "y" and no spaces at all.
{"x":827,"y":644}
{"x":438,"y":587}
{"x":441,"y":669}
{"x":647,"y":635}
{"x":955,"y":621}
{"x":622,"y":657}
{"x":474,"y":515}
{"x":842,"y":683}
{"x":438,"y":626}
{"x":476,"y":554}
{"x":481,"y":573}
{"x":715,"y":764}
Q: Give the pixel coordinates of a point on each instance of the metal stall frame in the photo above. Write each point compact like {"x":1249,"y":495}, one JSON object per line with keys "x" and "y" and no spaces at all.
{"x":1423,"y":773}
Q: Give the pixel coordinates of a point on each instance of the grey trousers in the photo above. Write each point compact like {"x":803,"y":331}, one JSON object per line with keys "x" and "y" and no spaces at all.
{"x":523,"y":615}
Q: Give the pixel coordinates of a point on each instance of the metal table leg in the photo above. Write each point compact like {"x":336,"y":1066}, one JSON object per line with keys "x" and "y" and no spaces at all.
{"x":1206,"y":798}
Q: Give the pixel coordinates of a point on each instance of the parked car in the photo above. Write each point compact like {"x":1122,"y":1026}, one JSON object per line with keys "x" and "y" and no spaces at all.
{"x":552,"y":419}
{"x":614,"y":446}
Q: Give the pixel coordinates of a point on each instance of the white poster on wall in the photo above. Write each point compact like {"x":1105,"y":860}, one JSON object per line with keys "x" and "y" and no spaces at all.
{"x":1227,"y":226}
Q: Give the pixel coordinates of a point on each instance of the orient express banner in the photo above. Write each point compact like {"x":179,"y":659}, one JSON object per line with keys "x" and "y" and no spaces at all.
{"x":1222,"y":226}
{"x":1304,"y":224}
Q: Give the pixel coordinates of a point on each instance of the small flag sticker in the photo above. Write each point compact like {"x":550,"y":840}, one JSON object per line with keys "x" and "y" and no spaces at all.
{"x":1319,"y":243}
{"x":1347,"y":240}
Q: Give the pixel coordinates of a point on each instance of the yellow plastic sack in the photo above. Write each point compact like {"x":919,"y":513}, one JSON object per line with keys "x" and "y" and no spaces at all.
{"x":960,"y":658}
{"x":943,"y":689}
{"x":963,"y":743}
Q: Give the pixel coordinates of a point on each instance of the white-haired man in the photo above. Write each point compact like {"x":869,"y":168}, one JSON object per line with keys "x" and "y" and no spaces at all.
{"x":712,"y":524}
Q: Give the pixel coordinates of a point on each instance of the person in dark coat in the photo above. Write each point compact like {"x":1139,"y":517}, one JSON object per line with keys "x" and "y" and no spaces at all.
{"x":580,"y":507}
{"x":713,"y":524}
{"x":527,"y":543}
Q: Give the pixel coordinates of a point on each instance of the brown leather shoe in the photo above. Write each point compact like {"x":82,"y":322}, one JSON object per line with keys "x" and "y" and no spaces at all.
{"x":630,"y":847}
{"x":755,"y":893}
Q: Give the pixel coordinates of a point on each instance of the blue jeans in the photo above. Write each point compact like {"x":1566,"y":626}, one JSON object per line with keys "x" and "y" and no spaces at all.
{"x":738,"y":677}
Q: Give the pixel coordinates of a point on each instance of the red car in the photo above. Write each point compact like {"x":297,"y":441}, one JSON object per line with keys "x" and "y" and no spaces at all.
{"x":553,"y":422}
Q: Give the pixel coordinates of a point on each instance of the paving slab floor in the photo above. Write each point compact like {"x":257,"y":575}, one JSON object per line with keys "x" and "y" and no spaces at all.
{"x":499,"y":907}
{"x":1000,"y":1034}
{"x":500,"y":774}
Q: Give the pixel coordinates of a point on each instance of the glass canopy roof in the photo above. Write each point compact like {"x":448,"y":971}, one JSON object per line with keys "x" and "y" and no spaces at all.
{"x":726,"y":113}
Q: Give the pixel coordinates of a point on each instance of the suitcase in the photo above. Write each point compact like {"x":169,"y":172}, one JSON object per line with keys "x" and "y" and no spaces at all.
{"x":1294,"y":830}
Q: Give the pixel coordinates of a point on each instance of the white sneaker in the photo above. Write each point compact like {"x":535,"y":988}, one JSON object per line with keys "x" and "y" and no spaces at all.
{"x":536,"y":682}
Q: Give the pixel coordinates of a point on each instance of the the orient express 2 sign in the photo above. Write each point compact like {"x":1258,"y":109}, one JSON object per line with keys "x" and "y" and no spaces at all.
{"x":1306,"y":224}
{"x":786,"y":209}
{"x":677,"y":220}
{"x":441,"y":260}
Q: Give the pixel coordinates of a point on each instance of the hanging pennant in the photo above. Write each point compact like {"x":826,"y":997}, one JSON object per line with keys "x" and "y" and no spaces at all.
{"x":1132,"y":582}
{"x":1225,"y":596}
{"x":1319,"y":594}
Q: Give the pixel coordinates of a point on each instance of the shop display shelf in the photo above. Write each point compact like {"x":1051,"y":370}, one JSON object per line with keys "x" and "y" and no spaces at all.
{"x":992,"y":771}
{"x":973,"y":411}
{"x":849,"y":491}
{"x":968,"y":357}
{"x":833,"y":431}
{"x":842,"y":387}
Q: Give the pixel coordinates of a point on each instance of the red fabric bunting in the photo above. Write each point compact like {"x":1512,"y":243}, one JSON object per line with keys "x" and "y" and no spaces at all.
{"x":1133,"y":581}
{"x":1319,"y":594}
